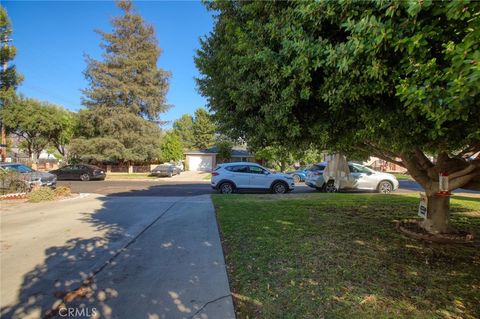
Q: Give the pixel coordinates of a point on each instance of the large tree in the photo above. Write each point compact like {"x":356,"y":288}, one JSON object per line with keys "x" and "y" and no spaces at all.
{"x":126,"y":94}
{"x":128,"y":76}
{"x":39,"y":124}
{"x":9,"y":78}
{"x":203,"y":129}
{"x":398,"y":80}
{"x":184,"y":129}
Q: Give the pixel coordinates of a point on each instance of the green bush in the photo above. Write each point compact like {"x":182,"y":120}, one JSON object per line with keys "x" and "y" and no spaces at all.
{"x":41,"y":194}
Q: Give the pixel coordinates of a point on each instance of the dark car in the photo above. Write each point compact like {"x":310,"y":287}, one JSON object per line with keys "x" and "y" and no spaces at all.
{"x":83,"y":172}
{"x":25,"y":175}
{"x":300,"y":174}
{"x":166,"y":170}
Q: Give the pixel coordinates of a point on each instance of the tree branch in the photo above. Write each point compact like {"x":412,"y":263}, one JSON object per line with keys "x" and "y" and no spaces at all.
{"x":425,"y":163}
{"x":417,"y":172}
{"x":467,"y":170}
{"x":460,"y":181}
{"x":384,"y":154}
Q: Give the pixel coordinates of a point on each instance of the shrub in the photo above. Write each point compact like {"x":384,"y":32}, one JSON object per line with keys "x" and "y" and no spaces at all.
{"x":12,"y":182}
{"x":41,"y":194}
{"x":62,"y":191}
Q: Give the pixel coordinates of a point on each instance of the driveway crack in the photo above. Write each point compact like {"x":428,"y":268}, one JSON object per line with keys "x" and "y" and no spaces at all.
{"x":85,"y":287}
{"x":207,"y":303}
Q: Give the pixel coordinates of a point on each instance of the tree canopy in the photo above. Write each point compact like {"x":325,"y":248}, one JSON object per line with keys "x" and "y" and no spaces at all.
{"x":184,"y":129}
{"x":398,"y":80}
{"x":128,"y":75}
{"x":172,"y":148}
{"x":39,"y":124}
{"x":9,"y":78}
{"x":126,"y":94}
{"x":203,"y":129}
{"x":115,"y":135}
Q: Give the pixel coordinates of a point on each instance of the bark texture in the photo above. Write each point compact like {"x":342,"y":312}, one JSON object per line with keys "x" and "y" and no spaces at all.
{"x":438,"y":215}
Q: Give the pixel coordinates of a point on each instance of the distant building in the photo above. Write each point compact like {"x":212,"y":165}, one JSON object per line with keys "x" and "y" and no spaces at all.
{"x":384,"y":166}
{"x":206,"y":160}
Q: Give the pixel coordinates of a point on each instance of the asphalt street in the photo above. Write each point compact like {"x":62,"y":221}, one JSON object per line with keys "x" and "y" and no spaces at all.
{"x":177,"y":188}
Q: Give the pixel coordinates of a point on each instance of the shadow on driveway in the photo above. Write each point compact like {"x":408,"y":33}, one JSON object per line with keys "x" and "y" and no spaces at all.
{"x":153,"y":258}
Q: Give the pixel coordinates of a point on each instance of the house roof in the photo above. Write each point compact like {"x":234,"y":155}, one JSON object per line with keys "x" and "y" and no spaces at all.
{"x":236,"y":152}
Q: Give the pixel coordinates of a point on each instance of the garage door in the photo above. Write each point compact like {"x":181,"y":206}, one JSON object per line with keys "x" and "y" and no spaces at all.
{"x":200,"y":163}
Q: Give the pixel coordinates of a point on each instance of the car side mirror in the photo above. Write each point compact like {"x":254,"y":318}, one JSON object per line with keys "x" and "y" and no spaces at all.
{"x":266,"y":173}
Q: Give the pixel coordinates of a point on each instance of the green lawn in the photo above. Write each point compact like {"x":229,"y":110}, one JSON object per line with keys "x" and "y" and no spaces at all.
{"x":401,"y":176}
{"x":339,"y":256}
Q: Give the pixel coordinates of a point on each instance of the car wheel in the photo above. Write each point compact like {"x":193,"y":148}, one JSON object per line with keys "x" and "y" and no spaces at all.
{"x":84,"y":177}
{"x":296,"y":179}
{"x":330,"y":187}
{"x":280,"y":188}
{"x":385,"y":187}
{"x":226,"y":188}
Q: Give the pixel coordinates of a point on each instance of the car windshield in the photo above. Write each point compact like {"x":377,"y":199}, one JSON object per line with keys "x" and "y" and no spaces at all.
{"x":19,"y":168}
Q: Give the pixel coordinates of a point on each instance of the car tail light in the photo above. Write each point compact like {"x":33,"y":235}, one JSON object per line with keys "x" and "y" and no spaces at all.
{"x":215,"y":174}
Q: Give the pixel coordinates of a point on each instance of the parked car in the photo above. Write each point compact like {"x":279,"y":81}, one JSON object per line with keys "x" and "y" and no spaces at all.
{"x":166,"y":170}
{"x":83,"y":172}
{"x":359,"y":178}
{"x":230,"y":177}
{"x":26,"y":175}
{"x":300,"y":174}
{"x":314,"y":176}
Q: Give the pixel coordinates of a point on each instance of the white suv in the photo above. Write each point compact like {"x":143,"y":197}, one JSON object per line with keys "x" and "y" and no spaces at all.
{"x":229,"y":177}
{"x":359,"y":178}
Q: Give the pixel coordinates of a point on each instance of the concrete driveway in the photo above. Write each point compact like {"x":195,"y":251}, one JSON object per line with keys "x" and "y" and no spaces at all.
{"x":113,"y":257}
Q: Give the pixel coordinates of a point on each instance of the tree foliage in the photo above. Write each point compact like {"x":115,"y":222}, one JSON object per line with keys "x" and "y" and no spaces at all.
{"x":172,"y":148}
{"x":203,"y":129}
{"x":184,"y":129}
{"x":128,"y":76}
{"x":224,"y":148}
{"x":131,"y":138}
{"x":126,"y":94}
{"x":9,"y":78}
{"x":397,"y":80}
{"x":39,"y":124}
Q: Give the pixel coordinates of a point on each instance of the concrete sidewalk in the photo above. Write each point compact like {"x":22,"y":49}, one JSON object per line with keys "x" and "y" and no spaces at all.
{"x":147,"y":257}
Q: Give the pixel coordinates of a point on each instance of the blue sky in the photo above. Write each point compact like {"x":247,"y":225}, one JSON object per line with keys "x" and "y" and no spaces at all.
{"x":52,"y":37}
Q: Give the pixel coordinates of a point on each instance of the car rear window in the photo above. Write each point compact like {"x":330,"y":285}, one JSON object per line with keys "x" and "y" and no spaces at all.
{"x":317,"y":168}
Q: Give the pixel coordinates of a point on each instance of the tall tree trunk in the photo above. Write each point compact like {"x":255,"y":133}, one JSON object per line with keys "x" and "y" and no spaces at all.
{"x":437,"y":220}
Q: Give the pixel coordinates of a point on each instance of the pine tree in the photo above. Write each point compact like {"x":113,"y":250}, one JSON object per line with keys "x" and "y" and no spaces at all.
{"x":9,"y":79}
{"x":128,"y":76}
{"x":203,"y":129}
{"x":126,"y":94}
